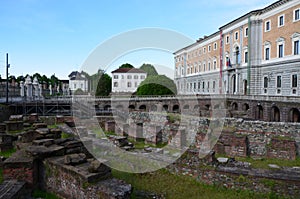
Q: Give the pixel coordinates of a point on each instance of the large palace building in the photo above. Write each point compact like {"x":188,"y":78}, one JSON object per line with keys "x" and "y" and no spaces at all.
{"x":255,"y":54}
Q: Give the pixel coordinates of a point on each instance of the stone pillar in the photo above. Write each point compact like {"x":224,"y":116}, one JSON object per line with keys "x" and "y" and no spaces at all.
{"x":50,"y":88}
{"x":22,"y":90}
{"x":28,"y":85}
{"x":40,"y":90}
{"x":36,"y":87}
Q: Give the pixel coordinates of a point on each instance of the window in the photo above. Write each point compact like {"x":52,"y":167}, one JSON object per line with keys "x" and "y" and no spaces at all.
{"x":204,"y":50}
{"x":129,"y":77}
{"x":215,"y":46}
{"x":281,"y":21}
{"x":75,"y":86}
{"x":209,"y":48}
{"x":215,"y":65}
{"x":266,"y":82}
{"x":227,"y":39}
{"x":208,"y":66}
{"x":280,"y":50}
{"x":214,"y":85}
{"x":246,"y":32}
{"x":128,"y":84}
{"x":297,"y":14}
{"x":199,"y":85}
{"x":294,"y":81}
{"x":81,"y":86}
{"x":267,"y":26}
{"x":267,"y":53}
{"x":122,"y":76}
{"x":278,"y":81}
{"x":135,"y":76}
{"x":116,"y":77}
{"x":143,"y":76}
{"x":236,"y":35}
{"x":296,"y":47}
{"x":204,"y":67}
{"x":115,"y":84}
{"x":246,"y":57}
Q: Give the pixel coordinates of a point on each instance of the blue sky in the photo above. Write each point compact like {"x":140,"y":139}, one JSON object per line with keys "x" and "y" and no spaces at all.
{"x":52,"y":36}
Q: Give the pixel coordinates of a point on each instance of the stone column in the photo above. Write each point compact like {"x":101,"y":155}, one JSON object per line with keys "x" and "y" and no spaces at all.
{"x":50,"y":88}
{"x":28,"y":85}
{"x":22,"y":91}
{"x":40,"y":90}
{"x":36,"y":87}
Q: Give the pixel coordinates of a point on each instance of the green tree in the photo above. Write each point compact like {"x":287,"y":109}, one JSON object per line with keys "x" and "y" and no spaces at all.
{"x":20,"y":78}
{"x":104,"y":85}
{"x":38,"y":76}
{"x":157,"y":85}
{"x":149,"y":69}
{"x":126,"y":66}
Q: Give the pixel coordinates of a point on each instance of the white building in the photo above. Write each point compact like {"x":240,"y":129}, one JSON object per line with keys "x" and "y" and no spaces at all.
{"x":127,"y":80}
{"x":78,"y":80}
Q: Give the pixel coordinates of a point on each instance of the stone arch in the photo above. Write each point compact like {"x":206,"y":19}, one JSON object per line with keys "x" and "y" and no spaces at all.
{"x":259,"y":112}
{"x":207,"y":107}
{"x":275,"y":114}
{"x":153,"y":107}
{"x":131,"y":107}
{"x":166,"y":107}
{"x":246,"y":107}
{"x":234,"y":106}
{"x":176,"y":108}
{"x":143,"y":107}
{"x":294,"y":115}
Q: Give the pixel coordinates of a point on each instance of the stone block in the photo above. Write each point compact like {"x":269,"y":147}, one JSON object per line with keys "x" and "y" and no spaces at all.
{"x":44,"y":142}
{"x":282,"y":148}
{"x":30,"y":135}
{"x":39,"y":125}
{"x":32,"y":118}
{"x":109,"y":126}
{"x":14,"y":125}
{"x":60,"y":119}
{"x":75,"y":159}
{"x":2,"y":128}
{"x":16,"y":118}
{"x":98,"y":166}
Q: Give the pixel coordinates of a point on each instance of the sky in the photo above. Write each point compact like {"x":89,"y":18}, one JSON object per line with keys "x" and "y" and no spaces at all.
{"x":58,"y":36}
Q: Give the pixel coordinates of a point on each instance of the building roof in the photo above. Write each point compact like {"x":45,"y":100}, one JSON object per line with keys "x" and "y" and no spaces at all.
{"x":128,"y":70}
{"x":75,"y":75}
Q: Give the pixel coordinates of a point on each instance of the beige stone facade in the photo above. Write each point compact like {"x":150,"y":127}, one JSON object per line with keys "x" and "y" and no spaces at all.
{"x":262,"y":48}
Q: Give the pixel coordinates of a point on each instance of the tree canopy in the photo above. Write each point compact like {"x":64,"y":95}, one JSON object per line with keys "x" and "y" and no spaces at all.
{"x":157,"y":85}
{"x":104,"y":85}
{"x":126,"y":66}
{"x":149,"y":69}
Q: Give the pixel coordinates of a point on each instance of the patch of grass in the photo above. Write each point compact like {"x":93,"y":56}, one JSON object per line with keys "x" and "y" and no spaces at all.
{"x":178,"y":187}
{"x":66,"y":135}
{"x":54,"y":126}
{"x":43,"y":194}
{"x":263,"y":163}
{"x":7,"y":153}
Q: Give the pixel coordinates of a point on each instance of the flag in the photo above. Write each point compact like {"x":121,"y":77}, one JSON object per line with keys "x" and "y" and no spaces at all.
{"x":228,"y":63}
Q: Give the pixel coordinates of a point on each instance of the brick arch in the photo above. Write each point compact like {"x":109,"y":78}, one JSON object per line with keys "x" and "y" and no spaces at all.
{"x":259,"y":113}
{"x":294,"y":115}
{"x":166,"y":107}
{"x":131,"y":107}
{"x":246,"y":107}
{"x":143,"y":107}
{"x":153,"y":107}
{"x":234,"y":106}
{"x":176,"y":108}
{"x":275,"y":114}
